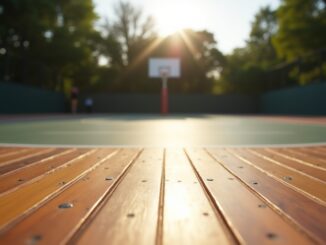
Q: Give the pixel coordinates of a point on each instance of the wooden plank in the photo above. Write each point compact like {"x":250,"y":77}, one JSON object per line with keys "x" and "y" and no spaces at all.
{"x":130,"y":215}
{"x":189,"y":218}
{"x":310,"y":157}
{"x":303,"y":168}
{"x":322,"y":148}
{"x":311,"y":187}
{"x":16,"y":204}
{"x":28,"y":173}
{"x":8,"y":150}
{"x":314,"y":151}
{"x":308,"y":215}
{"x":29,"y":159}
{"x":252,"y":221}
{"x":309,"y":160}
{"x":17,"y":155}
{"x":95,"y":187}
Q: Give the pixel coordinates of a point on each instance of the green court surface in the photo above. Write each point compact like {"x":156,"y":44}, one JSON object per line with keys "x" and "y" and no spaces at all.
{"x":151,"y":130}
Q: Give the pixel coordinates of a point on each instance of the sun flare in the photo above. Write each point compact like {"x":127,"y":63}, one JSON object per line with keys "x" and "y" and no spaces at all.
{"x":173,"y":16}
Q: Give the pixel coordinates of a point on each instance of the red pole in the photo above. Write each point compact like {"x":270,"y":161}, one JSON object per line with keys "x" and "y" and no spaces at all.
{"x":164,"y":97}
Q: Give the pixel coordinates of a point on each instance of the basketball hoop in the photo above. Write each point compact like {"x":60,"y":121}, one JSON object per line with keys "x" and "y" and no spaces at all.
{"x":164,"y":68}
{"x":164,"y":72}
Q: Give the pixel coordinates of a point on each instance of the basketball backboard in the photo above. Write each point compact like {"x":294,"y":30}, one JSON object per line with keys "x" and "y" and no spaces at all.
{"x":164,"y":67}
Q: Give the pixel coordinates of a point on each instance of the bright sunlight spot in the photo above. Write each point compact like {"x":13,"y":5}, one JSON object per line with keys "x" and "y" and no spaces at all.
{"x":103,"y":61}
{"x":173,"y":16}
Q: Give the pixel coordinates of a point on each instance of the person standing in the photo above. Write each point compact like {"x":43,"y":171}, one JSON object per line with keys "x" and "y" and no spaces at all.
{"x":89,"y":104}
{"x":74,"y":99}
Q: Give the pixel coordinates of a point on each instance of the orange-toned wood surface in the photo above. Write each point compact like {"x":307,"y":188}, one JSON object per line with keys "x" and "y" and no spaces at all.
{"x":163,"y":196}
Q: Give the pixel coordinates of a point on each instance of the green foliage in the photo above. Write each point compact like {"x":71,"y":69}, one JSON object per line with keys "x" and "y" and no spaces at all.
{"x":131,"y":28}
{"x":199,"y":59}
{"x":302,"y":36}
{"x":302,"y":25}
{"x":54,"y":44}
{"x":293,"y":35}
{"x":47,"y":41}
{"x":260,"y":45}
{"x":131,"y":40}
{"x":246,"y":67}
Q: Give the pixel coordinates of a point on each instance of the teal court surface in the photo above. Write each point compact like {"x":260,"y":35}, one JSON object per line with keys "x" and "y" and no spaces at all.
{"x":161,"y":131}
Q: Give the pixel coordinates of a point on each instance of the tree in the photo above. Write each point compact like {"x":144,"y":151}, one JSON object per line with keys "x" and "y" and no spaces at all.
{"x":22,"y":28}
{"x":131,"y":28}
{"x":52,"y":42}
{"x":260,"y":46}
{"x":245,"y":69}
{"x":199,"y":57}
{"x":125,"y":36}
{"x":301,"y":38}
{"x":302,"y":25}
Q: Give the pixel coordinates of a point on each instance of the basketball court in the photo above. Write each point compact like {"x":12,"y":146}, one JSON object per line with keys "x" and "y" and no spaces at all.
{"x":161,"y":131}
{"x":162,"y":179}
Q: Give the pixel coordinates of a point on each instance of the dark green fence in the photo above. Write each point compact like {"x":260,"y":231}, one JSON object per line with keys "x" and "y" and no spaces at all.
{"x":178,"y":103}
{"x":16,"y":98}
{"x":304,"y":100}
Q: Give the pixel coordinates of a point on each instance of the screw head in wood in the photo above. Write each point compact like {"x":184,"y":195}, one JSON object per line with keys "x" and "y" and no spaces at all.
{"x":287,"y":178}
{"x":130,"y":215}
{"x":271,"y":236}
{"x":66,"y":205}
{"x":109,"y":178}
{"x":34,"y":239}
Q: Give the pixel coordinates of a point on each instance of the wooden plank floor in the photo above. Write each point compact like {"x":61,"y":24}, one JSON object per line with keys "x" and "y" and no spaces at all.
{"x":163,"y":196}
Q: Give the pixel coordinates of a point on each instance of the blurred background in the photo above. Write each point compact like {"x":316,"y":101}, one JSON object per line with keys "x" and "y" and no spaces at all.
{"x":261,"y":56}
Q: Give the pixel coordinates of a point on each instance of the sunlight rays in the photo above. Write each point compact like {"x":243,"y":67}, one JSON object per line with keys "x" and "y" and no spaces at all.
{"x":142,"y":56}
{"x":173,"y":16}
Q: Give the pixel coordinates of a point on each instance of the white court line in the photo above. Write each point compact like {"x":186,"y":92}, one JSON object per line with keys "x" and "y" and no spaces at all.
{"x":163,"y":132}
{"x":166,"y":146}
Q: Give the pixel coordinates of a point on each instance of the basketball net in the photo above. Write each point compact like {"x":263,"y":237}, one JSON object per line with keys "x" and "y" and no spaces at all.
{"x":164,"y":72}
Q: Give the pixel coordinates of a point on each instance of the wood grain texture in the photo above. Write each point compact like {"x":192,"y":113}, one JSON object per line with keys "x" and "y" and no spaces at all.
{"x":163,"y":196}
{"x":314,"y":151}
{"x":189,"y":218}
{"x":85,"y":195}
{"x":299,"y":157}
{"x":312,"y":187}
{"x":320,"y":149}
{"x":303,"y":168}
{"x":307,"y":214}
{"x":20,"y":155}
{"x":31,"y":159}
{"x":17,"y":203}
{"x":252,"y":221}
{"x":9,"y":150}
{"x":130,"y":215}
{"x":28,"y":173}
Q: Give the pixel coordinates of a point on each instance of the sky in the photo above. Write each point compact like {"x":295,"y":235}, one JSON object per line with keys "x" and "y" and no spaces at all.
{"x":229,"y":20}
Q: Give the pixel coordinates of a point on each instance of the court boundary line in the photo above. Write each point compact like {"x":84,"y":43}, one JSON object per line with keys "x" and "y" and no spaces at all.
{"x":151,"y":146}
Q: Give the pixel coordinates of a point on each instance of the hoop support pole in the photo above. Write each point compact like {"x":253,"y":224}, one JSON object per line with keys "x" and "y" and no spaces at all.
{"x":164,"y":96}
